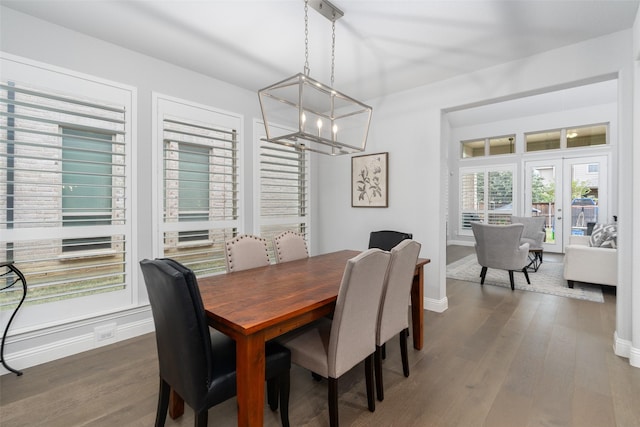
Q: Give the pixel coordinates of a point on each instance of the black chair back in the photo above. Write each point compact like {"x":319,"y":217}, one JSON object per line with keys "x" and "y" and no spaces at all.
{"x":184,"y":344}
{"x":387,"y":239}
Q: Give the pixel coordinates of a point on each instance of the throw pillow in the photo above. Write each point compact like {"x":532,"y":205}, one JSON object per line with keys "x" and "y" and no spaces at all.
{"x":603,"y":235}
{"x":596,"y":235}
{"x":610,"y":238}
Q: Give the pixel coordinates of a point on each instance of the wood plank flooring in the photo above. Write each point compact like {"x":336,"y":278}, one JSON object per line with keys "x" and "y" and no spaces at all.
{"x":494,"y":358}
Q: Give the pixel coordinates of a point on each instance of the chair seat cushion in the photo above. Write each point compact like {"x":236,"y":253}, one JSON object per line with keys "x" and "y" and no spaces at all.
{"x":309,"y":346}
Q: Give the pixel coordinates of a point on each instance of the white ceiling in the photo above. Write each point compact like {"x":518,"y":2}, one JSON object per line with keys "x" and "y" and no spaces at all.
{"x":382,"y":46}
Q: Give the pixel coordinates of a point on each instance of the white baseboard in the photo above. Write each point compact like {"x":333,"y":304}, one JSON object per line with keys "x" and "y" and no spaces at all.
{"x":625,"y":348}
{"x":621,"y":347}
{"x":438,"y":306}
{"x":634,"y":357}
{"x":127,"y":325}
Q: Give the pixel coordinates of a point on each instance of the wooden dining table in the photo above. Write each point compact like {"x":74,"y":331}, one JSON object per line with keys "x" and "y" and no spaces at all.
{"x":256,"y":305}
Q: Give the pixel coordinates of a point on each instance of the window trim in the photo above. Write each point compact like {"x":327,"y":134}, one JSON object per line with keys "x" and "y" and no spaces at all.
{"x":224,"y":118}
{"x":54,"y":79}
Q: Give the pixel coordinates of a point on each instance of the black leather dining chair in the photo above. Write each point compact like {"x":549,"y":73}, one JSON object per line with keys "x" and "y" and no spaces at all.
{"x":198,"y":363}
{"x":387,"y":239}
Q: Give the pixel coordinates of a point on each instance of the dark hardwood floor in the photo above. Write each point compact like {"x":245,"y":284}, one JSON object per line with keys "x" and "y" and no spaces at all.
{"x":494,"y":358}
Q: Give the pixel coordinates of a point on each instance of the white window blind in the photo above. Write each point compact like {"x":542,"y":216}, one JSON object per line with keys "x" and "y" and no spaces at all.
{"x":284,"y":190}
{"x":486,"y":195}
{"x":199,"y":184}
{"x":64,"y":186}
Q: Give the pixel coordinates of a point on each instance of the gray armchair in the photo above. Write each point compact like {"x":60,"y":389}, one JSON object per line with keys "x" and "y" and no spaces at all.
{"x":533,"y":232}
{"x":498,"y":246}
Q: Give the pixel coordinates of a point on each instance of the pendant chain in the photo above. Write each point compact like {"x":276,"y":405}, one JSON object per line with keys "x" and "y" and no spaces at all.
{"x":333,"y":48}
{"x":306,"y":38}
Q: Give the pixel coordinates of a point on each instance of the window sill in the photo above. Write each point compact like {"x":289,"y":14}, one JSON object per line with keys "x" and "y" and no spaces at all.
{"x":194,"y":244}
{"x":87,"y":254}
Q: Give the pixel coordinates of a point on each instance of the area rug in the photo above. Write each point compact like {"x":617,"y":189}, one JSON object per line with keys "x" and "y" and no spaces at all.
{"x":547,"y":280}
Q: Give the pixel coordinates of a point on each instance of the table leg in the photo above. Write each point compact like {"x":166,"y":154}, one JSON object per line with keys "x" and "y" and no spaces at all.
{"x":417,"y":308}
{"x":250,"y":366}
{"x":176,"y":405}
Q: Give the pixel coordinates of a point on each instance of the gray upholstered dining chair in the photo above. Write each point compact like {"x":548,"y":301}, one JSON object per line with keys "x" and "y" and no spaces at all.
{"x":289,"y":246}
{"x":197,"y":362}
{"x":330,"y":348}
{"x":498,"y":246}
{"x":246,"y":251}
{"x":393,"y":315}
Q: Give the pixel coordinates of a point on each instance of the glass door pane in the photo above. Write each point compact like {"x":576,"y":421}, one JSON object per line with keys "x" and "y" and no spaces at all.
{"x":543,"y":197}
{"x":571,"y":193}
{"x":587,"y":200}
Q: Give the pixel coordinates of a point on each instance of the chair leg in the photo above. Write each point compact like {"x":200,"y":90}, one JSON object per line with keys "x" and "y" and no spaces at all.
{"x":368,"y":371}
{"x":202,"y":418}
{"x":333,"y":402}
{"x":285,"y":387}
{"x":384,"y":351}
{"x":511,"y":279}
{"x":483,"y":274}
{"x":272,"y":393}
{"x":378,"y":370}
{"x":403,"y":351}
{"x":163,"y":403}
{"x":570,"y":284}
{"x":526,"y":275}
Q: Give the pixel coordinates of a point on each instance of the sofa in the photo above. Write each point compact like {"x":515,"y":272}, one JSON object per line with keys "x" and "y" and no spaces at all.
{"x":590,"y":264}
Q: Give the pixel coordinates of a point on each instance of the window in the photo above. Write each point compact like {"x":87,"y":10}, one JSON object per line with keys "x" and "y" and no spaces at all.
{"x":284,"y":189}
{"x":193,"y":189}
{"x":65,"y":183}
{"x":583,"y":136}
{"x":198,"y":158}
{"x":474,"y":148}
{"x":493,"y":146}
{"x":86,"y":185}
{"x":486,"y":195}
{"x":502,"y":145}
{"x":587,"y":136}
{"x":539,"y":141}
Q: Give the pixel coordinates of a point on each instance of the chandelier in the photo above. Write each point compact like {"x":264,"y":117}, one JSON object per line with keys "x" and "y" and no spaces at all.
{"x":303,"y":113}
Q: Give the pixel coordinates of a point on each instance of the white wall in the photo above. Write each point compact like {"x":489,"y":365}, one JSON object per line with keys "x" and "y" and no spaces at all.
{"x":410,"y":127}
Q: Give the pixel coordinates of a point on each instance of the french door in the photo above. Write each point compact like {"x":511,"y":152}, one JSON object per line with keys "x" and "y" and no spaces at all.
{"x":571,"y":193}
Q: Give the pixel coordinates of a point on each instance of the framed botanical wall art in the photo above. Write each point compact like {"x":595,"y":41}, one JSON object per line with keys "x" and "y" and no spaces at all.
{"x":370,"y":181}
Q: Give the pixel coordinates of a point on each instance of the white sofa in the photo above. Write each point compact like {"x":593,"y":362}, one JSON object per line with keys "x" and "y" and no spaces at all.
{"x":583,"y":263}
